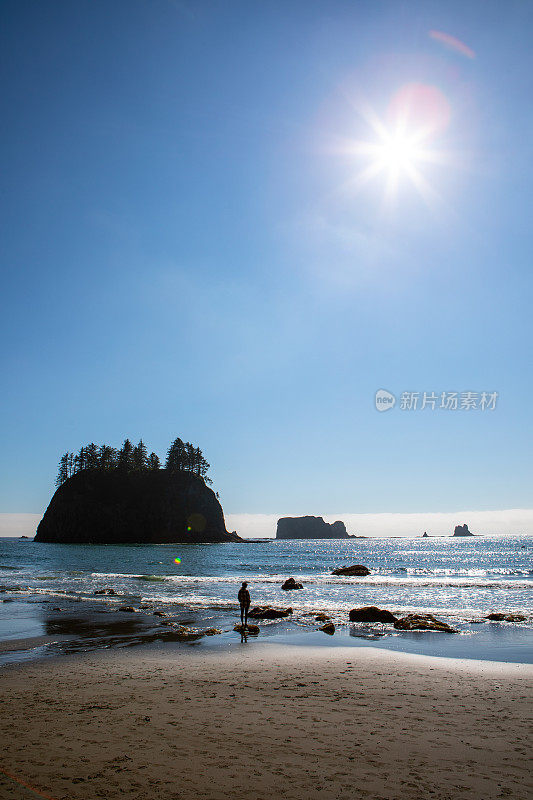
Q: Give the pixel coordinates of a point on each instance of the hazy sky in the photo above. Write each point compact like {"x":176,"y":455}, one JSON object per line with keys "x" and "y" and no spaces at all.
{"x":234,"y":222}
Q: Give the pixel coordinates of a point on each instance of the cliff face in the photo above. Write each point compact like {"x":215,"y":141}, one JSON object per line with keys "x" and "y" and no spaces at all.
{"x":310,"y":528}
{"x":97,"y":507}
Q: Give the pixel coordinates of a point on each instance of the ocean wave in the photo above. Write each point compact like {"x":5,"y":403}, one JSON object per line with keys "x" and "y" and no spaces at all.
{"x":152,"y":578}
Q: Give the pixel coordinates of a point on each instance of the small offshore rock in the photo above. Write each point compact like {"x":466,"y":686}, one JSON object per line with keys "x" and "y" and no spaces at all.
{"x":127,"y":608}
{"x":267,"y":612}
{"x":253,"y":629}
{"x":160,"y":614}
{"x":422,"y":622}
{"x":371,"y":614}
{"x":57,"y":609}
{"x":329,"y":628}
{"x":290,"y":583}
{"x":499,"y":617}
{"x":355,"y":569}
{"x":321,"y":617}
{"x":105,"y":591}
{"x":211,"y":632}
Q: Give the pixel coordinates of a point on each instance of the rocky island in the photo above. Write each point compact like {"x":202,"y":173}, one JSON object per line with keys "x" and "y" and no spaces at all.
{"x":310,"y":528}
{"x":120,"y":498}
{"x":462,"y":530}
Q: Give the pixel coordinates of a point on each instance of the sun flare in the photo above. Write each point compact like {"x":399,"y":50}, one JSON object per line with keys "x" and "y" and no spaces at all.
{"x":398,"y":152}
{"x":402,"y":147}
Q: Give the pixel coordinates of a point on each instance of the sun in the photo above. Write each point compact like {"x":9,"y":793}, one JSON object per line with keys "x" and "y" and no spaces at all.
{"x":402,"y":146}
{"x":398,"y":153}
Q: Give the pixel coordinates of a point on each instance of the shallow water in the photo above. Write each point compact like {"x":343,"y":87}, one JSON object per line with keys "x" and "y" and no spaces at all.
{"x":456,"y":579}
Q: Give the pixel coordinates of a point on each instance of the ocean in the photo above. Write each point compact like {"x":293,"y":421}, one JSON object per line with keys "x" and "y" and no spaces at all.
{"x":458,"y":580}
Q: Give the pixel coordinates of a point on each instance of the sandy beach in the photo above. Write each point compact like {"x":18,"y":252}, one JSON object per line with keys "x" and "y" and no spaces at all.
{"x":263,"y":721}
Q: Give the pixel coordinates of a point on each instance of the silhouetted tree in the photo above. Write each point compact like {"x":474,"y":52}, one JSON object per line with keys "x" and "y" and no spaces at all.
{"x":176,"y":456}
{"x":107,"y":457}
{"x":80,"y":460}
{"x":91,"y":456}
{"x":63,"y":473}
{"x":140,"y":457}
{"x":181,"y":457}
{"x":125,"y":456}
{"x":153,"y":461}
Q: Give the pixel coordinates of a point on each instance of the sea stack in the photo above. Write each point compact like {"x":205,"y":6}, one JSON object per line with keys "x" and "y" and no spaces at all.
{"x":462,"y":530}
{"x":152,"y":507}
{"x":310,"y":528}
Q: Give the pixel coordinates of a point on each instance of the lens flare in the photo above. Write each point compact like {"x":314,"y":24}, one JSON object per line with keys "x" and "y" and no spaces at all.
{"x":452,"y":43}
{"x":177,"y":560}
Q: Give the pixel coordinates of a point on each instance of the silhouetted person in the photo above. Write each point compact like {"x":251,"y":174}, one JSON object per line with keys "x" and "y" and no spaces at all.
{"x":244,"y":602}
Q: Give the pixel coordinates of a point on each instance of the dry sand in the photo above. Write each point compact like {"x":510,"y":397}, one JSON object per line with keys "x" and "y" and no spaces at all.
{"x":264,"y":721}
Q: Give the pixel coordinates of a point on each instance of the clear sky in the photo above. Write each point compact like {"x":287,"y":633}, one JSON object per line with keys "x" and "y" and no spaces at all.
{"x":234,"y":222}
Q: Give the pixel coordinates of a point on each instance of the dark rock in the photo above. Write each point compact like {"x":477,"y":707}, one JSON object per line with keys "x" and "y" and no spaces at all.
{"x":310,"y":528}
{"x":322,"y":617}
{"x":425,"y":536}
{"x":115,"y":507}
{"x":105,"y":591}
{"x":329,"y":627}
{"x":160,"y":614}
{"x":57,"y":609}
{"x":371,"y":614}
{"x":290,"y":583}
{"x":252,"y":629}
{"x":476,"y":621}
{"x":498,"y":617}
{"x":267,"y":612}
{"x":211,"y":632}
{"x":355,"y":569}
{"x":8,"y":600}
{"x":127,"y":608}
{"x":462,"y":530}
{"x":422,"y":622}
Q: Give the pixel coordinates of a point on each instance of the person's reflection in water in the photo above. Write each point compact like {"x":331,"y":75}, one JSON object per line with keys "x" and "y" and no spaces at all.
{"x":244,"y":636}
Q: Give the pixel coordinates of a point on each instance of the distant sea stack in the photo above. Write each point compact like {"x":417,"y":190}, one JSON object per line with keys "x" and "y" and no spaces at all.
{"x":462,"y":530}
{"x":151,"y":507}
{"x":310,"y":528}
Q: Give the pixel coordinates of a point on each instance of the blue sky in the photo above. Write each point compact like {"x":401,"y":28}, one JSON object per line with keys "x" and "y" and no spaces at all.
{"x":187,"y":249}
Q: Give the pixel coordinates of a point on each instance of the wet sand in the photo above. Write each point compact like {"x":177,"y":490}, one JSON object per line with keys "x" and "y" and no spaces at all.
{"x":261,"y":720}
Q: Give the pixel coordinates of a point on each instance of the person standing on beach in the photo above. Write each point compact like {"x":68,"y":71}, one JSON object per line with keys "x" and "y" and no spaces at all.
{"x":244,"y":602}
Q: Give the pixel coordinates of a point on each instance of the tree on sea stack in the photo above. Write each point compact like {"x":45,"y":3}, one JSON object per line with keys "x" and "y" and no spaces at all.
{"x":66,"y":468}
{"x":125,"y":456}
{"x":140,"y":457}
{"x":153,"y":461}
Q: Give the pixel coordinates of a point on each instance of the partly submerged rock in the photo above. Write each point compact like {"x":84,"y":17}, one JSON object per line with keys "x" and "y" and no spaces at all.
{"x":252,"y":629}
{"x":322,"y":617}
{"x":355,"y":569}
{"x":211,"y":632}
{"x":160,"y":614}
{"x":116,"y":507}
{"x":371,"y":614}
{"x":267,"y":612}
{"x":329,"y":628}
{"x":127,"y":608}
{"x":501,"y":617}
{"x":105,"y":591}
{"x":290,"y":583}
{"x":422,"y":622}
